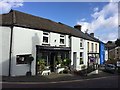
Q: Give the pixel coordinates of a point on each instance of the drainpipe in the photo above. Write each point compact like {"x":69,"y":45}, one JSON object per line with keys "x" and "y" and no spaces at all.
{"x":11,"y":37}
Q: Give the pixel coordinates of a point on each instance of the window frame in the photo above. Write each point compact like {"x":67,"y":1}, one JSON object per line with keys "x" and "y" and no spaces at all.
{"x":25,"y":56}
{"x":46,"y":35}
{"x":81,"y":57}
{"x":88,"y":46}
{"x":62,"y":37}
{"x":81,"y":43}
{"x":92,"y":47}
{"x":95,"y":47}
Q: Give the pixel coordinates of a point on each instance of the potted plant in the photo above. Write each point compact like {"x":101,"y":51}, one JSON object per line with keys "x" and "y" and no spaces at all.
{"x":66,"y":63}
{"x":83,"y":67}
{"x":83,"y":71}
{"x":41,"y":63}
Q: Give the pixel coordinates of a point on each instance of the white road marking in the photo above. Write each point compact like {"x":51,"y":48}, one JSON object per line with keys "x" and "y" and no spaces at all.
{"x":54,"y":82}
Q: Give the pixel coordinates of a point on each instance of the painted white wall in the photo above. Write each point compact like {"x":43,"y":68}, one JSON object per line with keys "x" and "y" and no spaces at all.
{"x":53,"y":37}
{"x":4,"y":47}
{"x":106,"y":55}
{"x":75,"y":47}
{"x":56,"y":36}
{"x":24,"y":42}
{"x":90,"y":49}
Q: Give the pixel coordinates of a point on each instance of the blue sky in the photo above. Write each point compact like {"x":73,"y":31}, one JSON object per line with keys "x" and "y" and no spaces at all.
{"x":68,"y":13}
{"x":98,"y":17}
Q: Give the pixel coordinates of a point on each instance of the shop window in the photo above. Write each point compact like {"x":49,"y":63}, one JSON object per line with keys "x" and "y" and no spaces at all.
{"x":62,"y":39}
{"x":22,"y":59}
{"x":81,"y":57}
{"x":45,"y":37}
{"x":44,"y":55}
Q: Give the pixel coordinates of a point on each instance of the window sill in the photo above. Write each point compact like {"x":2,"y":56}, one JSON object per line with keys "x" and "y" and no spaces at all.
{"x":46,"y":44}
{"x":81,"y":48}
{"x":62,"y":45}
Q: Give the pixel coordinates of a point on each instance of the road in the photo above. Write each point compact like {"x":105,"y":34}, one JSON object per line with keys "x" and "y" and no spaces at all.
{"x":102,"y":82}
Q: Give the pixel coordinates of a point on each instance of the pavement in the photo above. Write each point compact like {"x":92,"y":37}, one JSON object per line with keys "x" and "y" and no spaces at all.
{"x":53,"y":77}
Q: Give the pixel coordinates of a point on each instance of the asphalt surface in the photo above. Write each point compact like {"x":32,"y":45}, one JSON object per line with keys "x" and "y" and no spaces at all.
{"x":101,"y":82}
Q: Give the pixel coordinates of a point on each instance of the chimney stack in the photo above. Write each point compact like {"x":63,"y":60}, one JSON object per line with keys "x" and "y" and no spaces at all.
{"x":78,"y":27}
{"x":92,"y":34}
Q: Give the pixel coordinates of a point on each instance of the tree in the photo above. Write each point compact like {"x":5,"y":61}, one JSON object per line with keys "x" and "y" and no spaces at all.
{"x":110,"y":42}
{"x":117,"y":42}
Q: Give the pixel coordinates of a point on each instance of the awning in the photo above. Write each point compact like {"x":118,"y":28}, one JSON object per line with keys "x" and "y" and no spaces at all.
{"x":53,"y":48}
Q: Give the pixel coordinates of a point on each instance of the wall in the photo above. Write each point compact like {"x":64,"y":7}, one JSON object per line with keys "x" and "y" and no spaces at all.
{"x":90,"y":49}
{"x":112,"y":54}
{"x":117,"y":53}
{"x":75,"y":47}
{"x":4,"y":47}
{"x":106,"y":55}
{"x":24,"y":42}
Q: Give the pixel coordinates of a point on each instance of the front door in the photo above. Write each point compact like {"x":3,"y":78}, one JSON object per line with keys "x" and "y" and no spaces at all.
{"x":74,"y":59}
{"x":52,"y":61}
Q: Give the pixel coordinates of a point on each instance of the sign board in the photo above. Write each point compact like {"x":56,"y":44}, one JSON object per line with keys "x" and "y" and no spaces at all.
{"x":92,"y":59}
{"x":118,"y":63}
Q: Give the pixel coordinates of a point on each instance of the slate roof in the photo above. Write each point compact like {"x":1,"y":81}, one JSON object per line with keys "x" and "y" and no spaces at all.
{"x":21,"y":19}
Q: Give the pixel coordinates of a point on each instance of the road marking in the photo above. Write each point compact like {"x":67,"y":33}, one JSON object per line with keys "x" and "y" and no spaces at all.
{"x":54,"y":82}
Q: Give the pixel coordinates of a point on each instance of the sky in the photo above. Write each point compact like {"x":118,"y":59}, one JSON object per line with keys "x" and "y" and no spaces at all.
{"x":98,"y":17}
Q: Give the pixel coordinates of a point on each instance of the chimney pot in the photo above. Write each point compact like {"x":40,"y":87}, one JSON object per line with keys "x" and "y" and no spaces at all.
{"x":78,"y":27}
{"x":92,"y":34}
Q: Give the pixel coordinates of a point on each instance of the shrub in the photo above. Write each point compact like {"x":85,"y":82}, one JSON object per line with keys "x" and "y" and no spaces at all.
{"x":83,"y":67}
{"x":41,"y":63}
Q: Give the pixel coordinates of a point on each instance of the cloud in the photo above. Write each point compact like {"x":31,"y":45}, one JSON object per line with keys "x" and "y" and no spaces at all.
{"x":83,"y":19}
{"x":96,"y":9}
{"x":104,"y":21}
{"x":7,"y":5}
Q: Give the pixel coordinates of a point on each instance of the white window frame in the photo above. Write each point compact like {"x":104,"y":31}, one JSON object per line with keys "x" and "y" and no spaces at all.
{"x":62,"y":37}
{"x":96,"y":47}
{"x":81,"y":57}
{"x":81,"y":43}
{"x":46,"y":36}
{"x":92,"y":47}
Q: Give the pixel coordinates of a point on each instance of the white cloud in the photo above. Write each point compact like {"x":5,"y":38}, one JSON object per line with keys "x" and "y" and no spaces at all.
{"x":96,"y":9}
{"x":106,"y":20}
{"x":7,"y":5}
{"x":83,"y":19}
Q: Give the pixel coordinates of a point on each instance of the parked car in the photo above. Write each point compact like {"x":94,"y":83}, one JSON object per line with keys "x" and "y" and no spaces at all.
{"x":110,"y":68}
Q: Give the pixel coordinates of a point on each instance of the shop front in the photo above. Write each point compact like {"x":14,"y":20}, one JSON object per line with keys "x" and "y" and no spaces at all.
{"x":48,"y":57}
{"x":93,"y":61}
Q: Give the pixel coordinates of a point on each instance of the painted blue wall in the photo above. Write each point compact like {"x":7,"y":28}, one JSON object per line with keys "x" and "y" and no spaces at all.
{"x":102,"y":53}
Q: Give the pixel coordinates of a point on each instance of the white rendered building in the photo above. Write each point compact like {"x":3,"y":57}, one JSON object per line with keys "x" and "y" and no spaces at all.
{"x":24,"y":35}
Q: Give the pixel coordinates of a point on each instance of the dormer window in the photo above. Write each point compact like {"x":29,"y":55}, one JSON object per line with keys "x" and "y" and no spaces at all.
{"x":45,"y":37}
{"x":62,"y":39}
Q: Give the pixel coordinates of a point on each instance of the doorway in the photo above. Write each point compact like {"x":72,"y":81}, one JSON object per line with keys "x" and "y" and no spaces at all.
{"x":52,"y":61}
{"x":74,"y":59}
